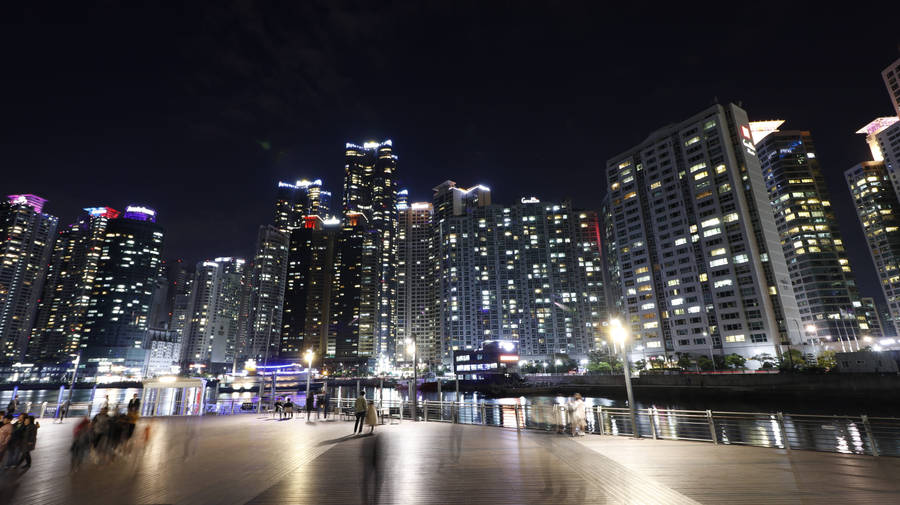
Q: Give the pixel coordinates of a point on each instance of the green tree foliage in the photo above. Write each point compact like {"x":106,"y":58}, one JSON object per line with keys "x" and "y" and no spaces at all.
{"x":705,"y":363}
{"x":735,"y":361}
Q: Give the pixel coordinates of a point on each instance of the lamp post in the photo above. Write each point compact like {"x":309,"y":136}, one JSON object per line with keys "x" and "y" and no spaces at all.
{"x":72,"y":386}
{"x":619,"y":334}
{"x":555,"y":365}
{"x":411,"y":348}
{"x":309,"y":360}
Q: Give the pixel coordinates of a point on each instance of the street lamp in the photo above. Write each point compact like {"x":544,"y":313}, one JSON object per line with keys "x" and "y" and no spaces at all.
{"x":411,"y":348}
{"x":309,"y":360}
{"x":556,"y":364}
{"x":619,"y":335}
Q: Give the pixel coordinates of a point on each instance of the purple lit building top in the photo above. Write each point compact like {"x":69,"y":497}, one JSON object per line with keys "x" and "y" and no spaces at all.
{"x":33,"y":201}
{"x":140,"y":213}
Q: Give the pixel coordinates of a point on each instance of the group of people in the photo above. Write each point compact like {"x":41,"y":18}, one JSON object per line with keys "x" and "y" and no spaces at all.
{"x":314,"y":403}
{"x":18,"y":437}
{"x":107,"y":434}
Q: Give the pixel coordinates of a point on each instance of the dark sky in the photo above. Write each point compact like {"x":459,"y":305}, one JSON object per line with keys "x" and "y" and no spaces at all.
{"x":173,"y":107}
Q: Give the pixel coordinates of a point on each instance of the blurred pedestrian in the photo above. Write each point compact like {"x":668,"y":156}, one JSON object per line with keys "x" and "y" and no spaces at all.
{"x":310,"y":405}
{"x":371,"y":417}
{"x":134,"y":405}
{"x":6,"y":431}
{"x":16,"y":441}
{"x":359,"y":408}
{"x":29,"y":440}
{"x":326,"y":400}
{"x":279,"y":408}
{"x":13,"y":405}
{"x":81,"y":442}
{"x":288,"y":408}
{"x":577,"y":416}
{"x":373,"y":467}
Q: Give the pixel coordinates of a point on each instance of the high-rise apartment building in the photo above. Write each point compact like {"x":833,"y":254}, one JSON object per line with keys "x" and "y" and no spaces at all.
{"x":531,"y":273}
{"x":824,"y":286}
{"x":891,"y":76}
{"x":211,"y":335}
{"x":417,"y":302}
{"x":697,"y":248}
{"x":268,"y":276}
{"x":26,"y":241}
{"x":59,"y":325}
{"x":872,"y":328}
{"x":365,"y":305}
{"x":308,"y":291}
{"x":878,"y":209}
{"x":118,"y":312}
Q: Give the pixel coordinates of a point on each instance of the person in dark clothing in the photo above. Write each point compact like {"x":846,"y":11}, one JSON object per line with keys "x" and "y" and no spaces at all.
{"x":13,"y":405}
{"x":134,"y":404}
{"x":29,"y":441}
{"x":279,"y":408}
{"x":325,"y":401}
{"x":16,"y":442}
{"x":310,"y":405}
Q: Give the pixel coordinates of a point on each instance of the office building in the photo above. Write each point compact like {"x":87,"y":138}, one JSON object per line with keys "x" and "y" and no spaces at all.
{"x":878,"y":209}
{"x":417,"y":302}
{"x":59,"y":325}
{"x":118,"y":312}
{"x":698,"y":251}
{"x":26,"y":241}
{"x":530,"y":273}
{"x":891,"y":76}
{"x":823,"y":283}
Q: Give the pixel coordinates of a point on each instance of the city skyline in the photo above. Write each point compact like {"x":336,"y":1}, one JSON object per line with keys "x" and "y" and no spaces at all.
{"x":189,"y":145}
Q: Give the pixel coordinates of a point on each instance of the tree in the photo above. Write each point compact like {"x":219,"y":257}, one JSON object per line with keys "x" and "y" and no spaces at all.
{"x":640,"y":364}
{"x":704,"y":363}
{"x":599,"y":368}
{"x":827,"y":360}
{"x":792,"y":360}
{"x":684,"y":361}
{"x":735,"y":360}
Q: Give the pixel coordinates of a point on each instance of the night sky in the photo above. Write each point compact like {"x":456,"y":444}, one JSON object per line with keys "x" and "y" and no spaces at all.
{"x":198,"y":111}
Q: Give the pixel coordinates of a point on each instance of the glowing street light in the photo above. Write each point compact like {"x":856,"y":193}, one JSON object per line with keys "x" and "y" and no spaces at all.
{"x":309,"y":360}
{"x":556,"y":364}
{"x":619,"y":335}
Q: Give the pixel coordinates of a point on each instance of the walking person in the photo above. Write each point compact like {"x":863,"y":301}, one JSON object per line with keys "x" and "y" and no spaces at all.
{"x":6,"y":431}
{"x":310,"y":405}
{"x":371,"y":417}
{"x":12,"y":406}
{"x":360,"y":408}
{"x":326,"y":400}
{"x":28,"y":442}
{"x":81,"y":442}
{"x":577,"y":416}
{"x":16,"y":441}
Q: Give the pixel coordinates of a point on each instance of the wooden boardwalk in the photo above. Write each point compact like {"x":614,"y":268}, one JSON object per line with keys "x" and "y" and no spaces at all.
{"x":252,"y":460}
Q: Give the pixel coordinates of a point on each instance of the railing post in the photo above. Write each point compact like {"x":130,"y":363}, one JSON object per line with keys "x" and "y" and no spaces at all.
{"x":518,"y":427}
{"x":43,"y":410}
{"x":650,"y":413}
{"x":425,"y":403}
{"x":871,"y":434}
{"x":712,"y":426}
{"x":602,"y":422}
{"x":784,"y":435}
{"x":483,"y":416}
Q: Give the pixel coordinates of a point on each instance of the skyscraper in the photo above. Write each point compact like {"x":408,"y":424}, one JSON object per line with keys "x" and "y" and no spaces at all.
{"x":26,"y":241}
{"x":417,"y":302}
{"x":118,"y":313}
{"x":70,"y":277}
{"x":878,"y":209}
{"x":530,"y":272}
{"x":891,"y":76}
{"x":698,"y":251}
{"x":308,"y":290}
{"x":820,"y":273}
{"x":211,"y":336}
{"x":267,"y":294}
{"x":364,"y":308}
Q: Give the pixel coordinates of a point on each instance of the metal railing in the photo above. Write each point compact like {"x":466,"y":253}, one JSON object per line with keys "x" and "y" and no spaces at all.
{"x":863,"y":435}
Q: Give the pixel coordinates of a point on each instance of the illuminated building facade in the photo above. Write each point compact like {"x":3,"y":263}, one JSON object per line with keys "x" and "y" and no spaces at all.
{"x":268,"y":276}
{"x":820,"y":273}
{"x":26,"y":241}
{"x":878,"y":210}
{"x":365,"y":303}
{"x":118,"y":312}
{"x":417,"y":302}
{"x":295,"y":201}
{"x":700,"y":262}
{"x":308,"y":290}
{"x":891,"y":76}
{"x":211,"y":335}
{"x":529,"y":273}
{"x":59,"y":325}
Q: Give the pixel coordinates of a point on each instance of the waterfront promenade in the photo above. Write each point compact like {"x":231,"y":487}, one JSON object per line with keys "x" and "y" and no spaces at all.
{"x":251,"y":459}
